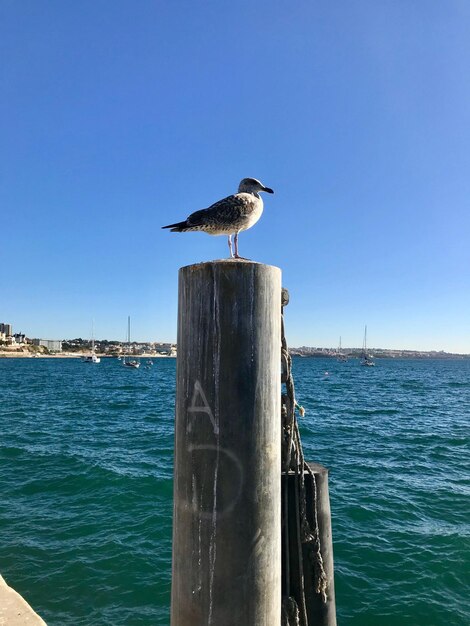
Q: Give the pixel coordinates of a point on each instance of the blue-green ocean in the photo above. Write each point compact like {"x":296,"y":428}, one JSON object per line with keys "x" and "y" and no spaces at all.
{"x":86,"y":487}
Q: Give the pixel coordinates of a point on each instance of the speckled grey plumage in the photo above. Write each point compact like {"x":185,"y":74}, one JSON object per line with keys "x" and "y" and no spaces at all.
{"x":229,"y":216}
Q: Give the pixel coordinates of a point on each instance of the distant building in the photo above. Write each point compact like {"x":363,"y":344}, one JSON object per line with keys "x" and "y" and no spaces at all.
{"x":7,"y":329}
{"x":53,"y":345}
{"x":165,"y":348}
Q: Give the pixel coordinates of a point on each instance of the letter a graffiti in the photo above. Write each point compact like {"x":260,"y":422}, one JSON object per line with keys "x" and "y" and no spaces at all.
{"x":198,"y":392}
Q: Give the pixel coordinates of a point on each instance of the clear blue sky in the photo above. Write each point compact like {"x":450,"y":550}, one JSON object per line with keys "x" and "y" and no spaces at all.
{"x":118,"y":117}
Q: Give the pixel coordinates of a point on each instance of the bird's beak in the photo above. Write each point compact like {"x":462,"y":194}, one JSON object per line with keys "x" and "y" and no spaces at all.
{"x":268,"y":190}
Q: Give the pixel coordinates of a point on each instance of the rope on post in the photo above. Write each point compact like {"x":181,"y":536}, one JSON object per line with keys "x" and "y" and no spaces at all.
{"x":290,"y":613}
{"x":293,"y":460}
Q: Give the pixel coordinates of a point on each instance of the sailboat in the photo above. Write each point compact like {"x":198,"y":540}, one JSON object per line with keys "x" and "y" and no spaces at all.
{"x":127,"y":361}
{"x":366,"y":359}
{"x":92,"y":358}
{"x":340,"y":356}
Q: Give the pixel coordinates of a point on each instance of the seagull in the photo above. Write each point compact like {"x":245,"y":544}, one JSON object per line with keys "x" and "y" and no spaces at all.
{"x":229,"y":216}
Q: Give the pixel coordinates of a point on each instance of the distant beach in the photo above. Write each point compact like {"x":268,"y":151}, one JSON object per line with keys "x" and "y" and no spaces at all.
{"x":29,"y":355}
{"x":73,"y":355}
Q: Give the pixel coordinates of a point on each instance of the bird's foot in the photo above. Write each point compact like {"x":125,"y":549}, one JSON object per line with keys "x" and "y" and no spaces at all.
{"x":242,"y":258}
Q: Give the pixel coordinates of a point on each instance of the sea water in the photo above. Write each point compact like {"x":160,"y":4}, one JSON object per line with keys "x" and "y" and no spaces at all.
{"x":86,"y":455}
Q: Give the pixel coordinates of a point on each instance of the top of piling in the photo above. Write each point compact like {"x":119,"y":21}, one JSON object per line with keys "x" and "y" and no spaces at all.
{"x":244,"y":262}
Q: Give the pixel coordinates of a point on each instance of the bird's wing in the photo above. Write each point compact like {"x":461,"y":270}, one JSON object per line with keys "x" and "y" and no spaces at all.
{"x":228,"y":209}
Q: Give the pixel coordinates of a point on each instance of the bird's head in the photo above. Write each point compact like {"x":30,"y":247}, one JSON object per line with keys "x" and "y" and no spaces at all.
{"x":251,"y":185}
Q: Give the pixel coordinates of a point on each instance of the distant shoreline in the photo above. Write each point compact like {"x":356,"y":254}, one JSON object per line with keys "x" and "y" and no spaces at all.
{"x":405,"y":355}
{"x":72,"y":355}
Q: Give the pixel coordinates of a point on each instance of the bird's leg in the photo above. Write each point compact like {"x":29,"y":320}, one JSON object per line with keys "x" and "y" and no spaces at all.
{"x":230,"y":245}
{"x":237,"y":256}
{"x":235,"y":241}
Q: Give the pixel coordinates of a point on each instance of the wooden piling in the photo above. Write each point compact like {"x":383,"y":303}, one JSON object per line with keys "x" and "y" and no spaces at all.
{"x":298,"y":557}
{"x":227,"y":490}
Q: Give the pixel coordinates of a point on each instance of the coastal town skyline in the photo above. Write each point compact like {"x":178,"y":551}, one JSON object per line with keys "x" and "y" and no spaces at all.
{"x":12,"y":339}
{"x":357,"y":115}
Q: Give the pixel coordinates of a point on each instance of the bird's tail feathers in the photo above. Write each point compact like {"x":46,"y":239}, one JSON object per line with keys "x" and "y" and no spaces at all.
{"x":179,"y":227}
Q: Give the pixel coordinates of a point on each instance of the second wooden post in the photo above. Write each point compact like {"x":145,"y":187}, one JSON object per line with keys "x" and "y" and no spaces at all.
{"x":227,"y":516}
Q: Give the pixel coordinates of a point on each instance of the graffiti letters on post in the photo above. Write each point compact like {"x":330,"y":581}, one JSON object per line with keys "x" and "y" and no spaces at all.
{"x":226,"y":466}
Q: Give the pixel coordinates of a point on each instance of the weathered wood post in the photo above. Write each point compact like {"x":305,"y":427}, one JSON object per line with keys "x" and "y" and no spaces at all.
{"x":301,"y":560}
{"x":319,"y":612}
{"x":227,"y":473}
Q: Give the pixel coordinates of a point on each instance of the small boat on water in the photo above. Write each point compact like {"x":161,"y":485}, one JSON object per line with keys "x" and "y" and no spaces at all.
{"x":342,"y":358}
{"x":367,"y":360}
{"x":92,"y":358}
{"x":132,"y":363}
{"x":127,"y":361}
